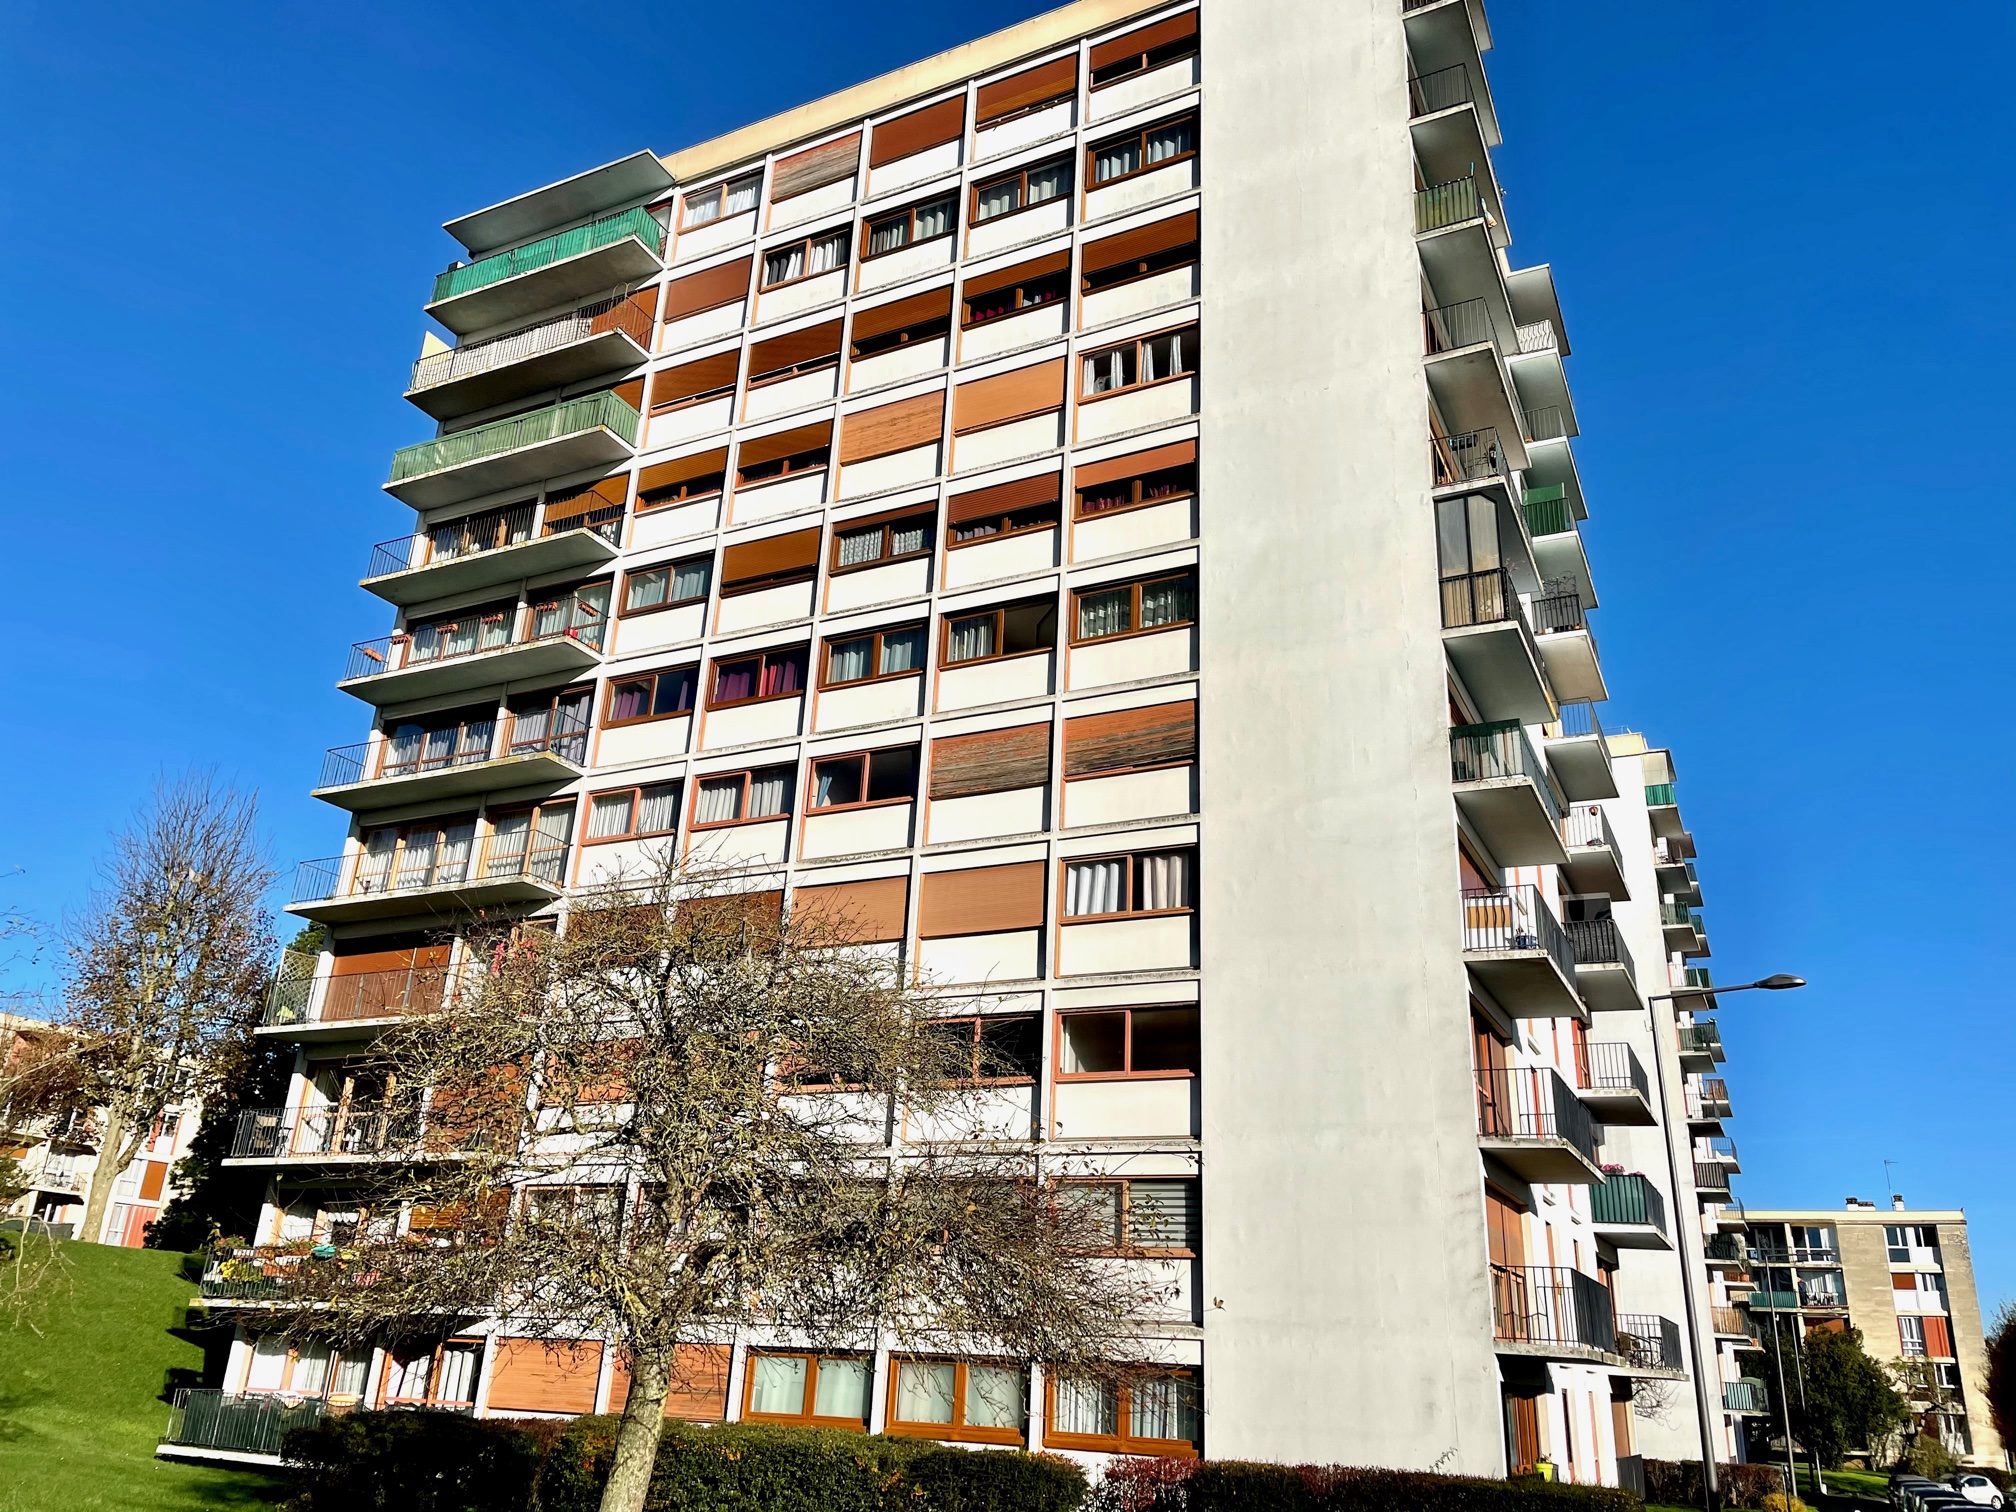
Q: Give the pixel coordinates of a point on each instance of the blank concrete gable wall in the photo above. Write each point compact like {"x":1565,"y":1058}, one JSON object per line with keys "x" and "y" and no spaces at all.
{"x":1343,"y":1211}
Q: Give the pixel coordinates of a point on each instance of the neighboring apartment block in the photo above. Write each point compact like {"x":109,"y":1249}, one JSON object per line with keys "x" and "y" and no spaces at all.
{"x":1101,"y":504}
{"x":1905,"y":1278}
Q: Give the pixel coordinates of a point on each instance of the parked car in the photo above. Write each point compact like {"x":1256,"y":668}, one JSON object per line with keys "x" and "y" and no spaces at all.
{"x":1902,"y":1481}
{"x":1935,"y":1497}
{"x":1976,"y":1488}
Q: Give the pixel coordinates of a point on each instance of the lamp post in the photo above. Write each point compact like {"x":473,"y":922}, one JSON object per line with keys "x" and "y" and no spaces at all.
{"x":1711,"y":1490}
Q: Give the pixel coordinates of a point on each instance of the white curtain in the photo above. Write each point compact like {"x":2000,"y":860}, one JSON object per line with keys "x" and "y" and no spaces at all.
{"x":1164,"y":1408}
{"x":934,"y":219}
{"x":1115,"y":160}
{"x":269,"y":1364}
{"x":1163,"y":357}
{"x":779,"y":1384}
{"x":1048,"y":183}
{"x":406,"y":1379}
{"x":889,"y":235}
{"x":1165,"y":603}
{"x":847,"y":661}
{"x":550,"y":834}
{"x":997,"y":199}
{"x":720,"y":800}
{"x":311,"y":1370}
{"x":456,"y":846}
{"x":970,"y":639}
{"x":997,"y":1396}
{"x":741,"y":196}
{"x":902,"y":650}
{"x":1162,"y":881}
{"x":689,"y":581}
{"x":782,"y":267}
{"x":1086,"y":1407}
{"x":646,"y":590}
{"x":842,"y":1389}
{"x":857,"y":546}
{"x":1106,"y":371}
{"x":609,"y":814}
{"x":1166,"y":142}
{"x":1105,"y":613}
{"x":416,"y":860}
{"x":458,"y":1374}
{"x":658,"y":809}
{"x":506,"y":853}
{"x":374,"y":862}
{"x":923,"y":1391}
{"x":1095,"y":887}
{"x":767,"y":792}
{"x":828,"y":253}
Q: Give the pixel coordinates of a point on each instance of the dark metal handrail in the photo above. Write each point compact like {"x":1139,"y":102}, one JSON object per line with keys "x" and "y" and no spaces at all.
{"x":1579,"y":719}
{"x":1613,"y":1067}
{"x":1546,"y":424}
{"x":1514,"y":918}
{"x":450,"y":865}
{"x":343,"y":765}
{"x":1704,"y":1037}
{"x":1585,"y":825}
{"x":1468,"y":457}
{"x":278,"y":1132}
{"x":1447,"y":204}
{"x":1479,"y":598}
{"x":1547,"y":1304}
{"x":201,"y":1418}
{"x":1599,"y":942}
{"x":1430,"y":92}
{"x":1552,"y":612}
{"x":1533,"y":1102}
{"x":1481,"y":752}
{"x":1711,"y":1176}
{"x":1628,"y":1199}
{"x":1648,"y":1341}
{"x":1447,"y":327}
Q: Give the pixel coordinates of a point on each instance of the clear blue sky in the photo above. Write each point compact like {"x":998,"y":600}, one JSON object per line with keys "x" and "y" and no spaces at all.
{"x":1769,"y":225}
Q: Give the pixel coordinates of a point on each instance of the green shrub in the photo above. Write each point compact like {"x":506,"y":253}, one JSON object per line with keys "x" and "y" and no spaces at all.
{"x":1236,"y":1486}
{"x":1930,"y":1458}
{"x":993,"y":1480}
{"x":1677,"y":1483}
{"x":415,"y":1462}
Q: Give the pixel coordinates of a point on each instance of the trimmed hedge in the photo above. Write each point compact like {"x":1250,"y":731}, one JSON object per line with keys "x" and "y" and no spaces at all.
{"x":1236,"y":1486}
{"x":416,"y":1461}
{"x":1677,"y":1483}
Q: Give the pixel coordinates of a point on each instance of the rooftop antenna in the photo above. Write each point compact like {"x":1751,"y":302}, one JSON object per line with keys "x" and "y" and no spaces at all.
{"x":1887,"y":1181}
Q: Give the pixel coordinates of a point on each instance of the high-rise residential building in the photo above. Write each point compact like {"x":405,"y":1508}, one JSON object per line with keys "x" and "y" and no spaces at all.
{"x":1101,"y":502}
{"x":1902,"y":1276}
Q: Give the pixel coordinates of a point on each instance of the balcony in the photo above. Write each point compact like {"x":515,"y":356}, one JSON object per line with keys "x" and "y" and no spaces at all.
{"x":607,"y":337}
{"x":1730,"y":1323}
{"x":1488,"y":643}
{"x":207,"y":1424}
{"x":555,"y":270}
{"x":561,"y":639}
{"x":1711,"y":1180}
{"x":1708,"y":1102}
{"x":320,"y":1134}
{"x":1663,"y":809}
{"x":1552,"y":1312}
{"x":1628,"y":1211}
{"x":1721,"y":1149}
{"x":1683,"y":929}
{"x":1467,"y":375}
{"x":1567,"y":646}
{"x":593,"y":431}
{"x":1772,"y":1300}
{"x":1605,"y":974}
{"x":252,"y":1274}
{"x":1726,"y":1251}
{"x":1579,"y":753}
{"x":1557,"y":543}
{"x":1593,"y":860}
{"x":1614,"y":1087}
{"x":1540,"y":380}
{"x":1515,"y":949}
{"x":427,"y":880}
{"x":494,"y":548}
{"x":1530,"y":1121}
{"x":389,"y":770}
{"x":1745,"y":1397}
{"x":1505,"y":794}
{"x":1701,"y":1045}
{"x":1651,"y":1344}
{"x":301,"y":1002}
{"x":1443,"y":89}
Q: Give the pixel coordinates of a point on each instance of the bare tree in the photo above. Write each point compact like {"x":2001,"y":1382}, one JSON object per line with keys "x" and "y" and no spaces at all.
{"x":164,"y":974}
{"x":684,"y":1114}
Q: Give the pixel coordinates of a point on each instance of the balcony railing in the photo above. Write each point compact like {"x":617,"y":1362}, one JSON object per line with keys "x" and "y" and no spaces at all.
{"x":1648,"y":1341}
{"x":493,"y":352}
{"x":373,"y":874}
{"x":1552,"y":612}
{"x":1447,"y":204}
{"x":1710,"y":1176}
{"x":1820,"y":1294}
{"x":1585,"y":825}
{"x":1802,"y":1255}
{"x":1546,"y":424}
{"x":1579,"y":719}
{"x":1724,"y":1247}
{"x":1469,"y":457}
{"x":252,"y":1274}
{"x":1731,"y":1320}
{"x":567,"y":418}
{"x":1445,"y":87}
{"x":1613,"y":1067}
{"x":1551,"y":1305}
{"x":1448,"y":327}
{"x":205,"y":1419}
{"x":1533,"y":1102}
{"x":1746,"y":1395}
{"x":1514,"y":918}
{"x":534,"y":255}
{"x":1547,"y":511}
{"x":1480,"y":598}
{"x":473,"y":535}
{"x":1721,"y":1148}
{"x":1628,"y":1199}
{"x":1772,"y":1299}
{"x":270,"y":1133}
{"x":364,"y":995}
{"x":1481,"y":752}
{"x":1659,"y":795}
{"x":572,"y":618}
{"x":1702,"y":1038}
{"x":1538,"y":336}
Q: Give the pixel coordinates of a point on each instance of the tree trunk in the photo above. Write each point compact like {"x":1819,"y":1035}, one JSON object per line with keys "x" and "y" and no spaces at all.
{"x":103,"y":1174}
{"x":637,"y":1436}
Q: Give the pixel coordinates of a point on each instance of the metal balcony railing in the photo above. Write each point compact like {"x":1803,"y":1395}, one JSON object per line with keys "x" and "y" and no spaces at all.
{"x":1613,"y":1067}
{"x":364,"y":995}
{"x":270,"y":1133}
{"x":1720,"y":1148}
{"x":1469,"y":457}
{"x":252,"y":1274}
{"x":1546,"y":424}
{"x":1660,"y":795}
{"x":1704,"y":1037}
{"x":1731,"y":1320}
{"x":1538,"y":336}
{"x":1552,"y":612}
{"x":576,"y":617}
{"x":401,"y":755}
{"x":1481,"y":752}
{"x":1822,"y":1294}
{"x":473,"y":535}
{"x":1447,"y":204}
{"x":1514,"y":918}
{"x":567,"y":418}
{"x":1746,"y":1395}
{"x":1547,"y":512}
{"x":493,"y":352}
{"x":1480,"y":598}
{"x":292,"y":989}
{"x":1587,"y":825}
{"x":1648,"y":1341}
{"x":449,"y":864}
{"x":1578,"y":719}
{"x":1533,"y":1102}
{"x":1772,"y":1299}
{"x":1448,"y":327}
{"x":1551,"y":1305}
{"x":1599,"y":942}
{"x":207,"y":1419}
{"x":1711,"y":1177}
{"x":1802,"y":1255}
{"x":1628,"y":1199}
{"x":610,"y":229}
{"x":1440,"y":90}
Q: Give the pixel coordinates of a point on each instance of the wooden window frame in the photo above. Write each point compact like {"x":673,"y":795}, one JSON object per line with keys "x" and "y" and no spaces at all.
{"x":999,"y":613}
{"x":928,"y":513}
{"x":682,"y":492}
{"x":826,"y":656}
{"x":512,"y":715}
{"x":385,"y":1399}
{"x":1138,"y":498}
{"x":1022,"y":202}
{"x":1132,"y":858}
{"x":949,"y":198}
{"x":1022,"y":302}
{"x":902,"y":336}
{"x":1139,"y":385}
{"x":1128,"y":1074}
{"x":635,"y":792}
{"x":979,"y":1022}
{"x":806,"y":1418}
{"x":1122,"y":1442}
{"x":1134,"y":587}
{"x":337,"y":1354}
{"x":436,"y":829}
{"x":795,"y":370}
{"x":957,"y":1430}
{"x":746,"y":773}
{"x":718,"y":194}
{"x":1097,"y":280}
{"x":609,"y":720}
{"x":785,"y":469}
{"x":763,"y":658}
{"x":1126,"y":1249}
{"x":1145,"y":61}
{"x":670,"y":406}
{"x":1140,"y":136}
{"x":866,"y":758}
{"x":671,"y":568}
{"x":1006,"y":531}
{"x":835,"y":233}
{"x":479,"y":856}
{"x":461,"y":756}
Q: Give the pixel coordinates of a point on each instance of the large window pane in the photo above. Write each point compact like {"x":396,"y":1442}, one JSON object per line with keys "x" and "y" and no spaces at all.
{"x":848,"y":660}
{"x":970,"y":639}
{"x":769,"y":792}
{"x":924,"y":1391}
{"x":1094,"y":1043}
{"x":997,"y":1396}
{"x":608,"y":814}
{"x":779,"y":1384}
{"x":842,"y":1391}
{"x":1109,"y":612}
{"x":1095,"y":887}
{"x":720,"y":800}
{"x":1089,"y":1407}
{"x":902,"y":650}
{"x":1162,"y":1214}
{"x":1164,"y":1408}
{"x":1165,"y":1039}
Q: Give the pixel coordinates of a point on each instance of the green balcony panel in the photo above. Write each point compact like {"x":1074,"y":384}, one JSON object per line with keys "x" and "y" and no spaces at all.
{"x":1660,"y":795}
{"x":592,"y":430}
{"x":551,"y":249}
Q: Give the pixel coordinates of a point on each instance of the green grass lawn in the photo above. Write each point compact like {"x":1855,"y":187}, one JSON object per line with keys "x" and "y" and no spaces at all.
{"x":83,"y":1403}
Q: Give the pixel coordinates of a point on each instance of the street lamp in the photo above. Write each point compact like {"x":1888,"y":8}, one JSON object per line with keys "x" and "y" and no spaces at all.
{"x":1711,"y":1490}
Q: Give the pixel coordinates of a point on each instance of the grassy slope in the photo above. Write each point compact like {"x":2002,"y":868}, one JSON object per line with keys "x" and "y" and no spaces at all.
{"x":83,"y":1404}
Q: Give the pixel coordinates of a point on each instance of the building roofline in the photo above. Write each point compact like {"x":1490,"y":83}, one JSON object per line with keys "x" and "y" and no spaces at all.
{"x":1857,"y":1215}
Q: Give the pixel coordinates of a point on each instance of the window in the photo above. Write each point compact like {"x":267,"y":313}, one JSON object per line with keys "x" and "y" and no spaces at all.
{"x":742,"y":797}
{"x":1133,"y":608}
{"x":530,"y":842}
{"x":794,"y":354}
{"x":479,"y":532}
{"x":667,"y":587}
{"x":951,"y":1399}
{"x":1006,"y":1048}
{"x":768,"y":674}
{"x":870,"y":544}
{"x":1141,"y":883}
{"x":883,"y":653}
{"x":655,"y":695}
{"x":805,"y":449}
{"x":1133,"y":1217}
{"x":429,"y":853}
{"x":682,"y":481}
{"x":906,"y":228}
{"x":721,"y":201}
{"x":805,"y":259}
{"x":633,"y":813}
{"x":902,"y":322}
{"x":1904,"y":1239}
{"x":996,"y":296}
{"x":484,"y":627}
{"x":1116,"y":1043}
{"x":865,"y":777}
{"x":579,"y":615}
{"x":1033,"y":89}
{"x":1117,"y":494}
{"x":1155,"y":1414}
{"x":1136,"y":364}
{"x":694,"y":383}
{"x":1142,"y":151}
{"x":440,"y":1375}
{"x":1015,"y":630}
{"x":1023,"y":189}
{"x":829,"y":1390}
{"x":311,"y":1368}
{"x":596,"y":506}
{"x":1140,"y":51}
{"x":1911,"y":1337}
{"x":431,"y":742}
{"x":1140,"y":253}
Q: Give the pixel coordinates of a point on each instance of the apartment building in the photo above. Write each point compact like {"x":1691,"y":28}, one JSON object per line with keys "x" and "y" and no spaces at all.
{"x":1905,"y":1278}
{"x":1102,"y":503}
